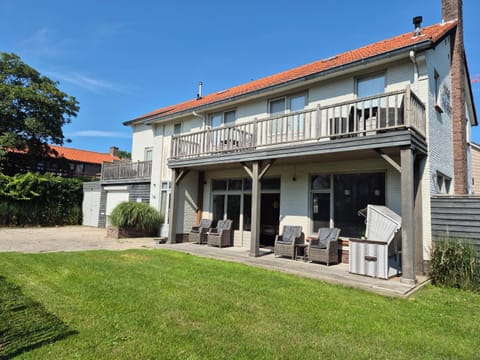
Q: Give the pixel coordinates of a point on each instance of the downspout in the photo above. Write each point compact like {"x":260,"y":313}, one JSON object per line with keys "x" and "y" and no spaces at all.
{"x":204,"y":123}
{"x":415,"y":69}
{"x":201,"y":178}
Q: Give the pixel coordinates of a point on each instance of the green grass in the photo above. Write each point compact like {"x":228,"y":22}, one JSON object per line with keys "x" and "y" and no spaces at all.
{"x":144,"y":304}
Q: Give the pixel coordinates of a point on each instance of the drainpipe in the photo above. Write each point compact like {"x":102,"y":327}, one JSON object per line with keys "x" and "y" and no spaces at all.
{"x":204,"y":123}
{"x":415,"y":68}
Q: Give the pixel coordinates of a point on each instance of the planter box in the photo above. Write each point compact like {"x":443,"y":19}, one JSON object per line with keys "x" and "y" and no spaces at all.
{"x":116,"y":233}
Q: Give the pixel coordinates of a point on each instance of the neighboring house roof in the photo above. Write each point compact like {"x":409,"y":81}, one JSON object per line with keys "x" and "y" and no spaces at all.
{"x":430,"y":36}
{"x":84,"y":156}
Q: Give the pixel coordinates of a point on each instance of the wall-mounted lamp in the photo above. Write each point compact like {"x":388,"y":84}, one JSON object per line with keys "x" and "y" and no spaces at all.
{"x":377,"y":192}
{"x":347,"y":192}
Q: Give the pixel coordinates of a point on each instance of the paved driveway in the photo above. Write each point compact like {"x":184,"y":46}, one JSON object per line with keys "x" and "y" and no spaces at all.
{"x":65,"y":238}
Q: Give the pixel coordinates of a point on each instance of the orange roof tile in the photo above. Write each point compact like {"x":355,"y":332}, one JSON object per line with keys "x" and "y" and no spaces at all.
{"x":84,"y":156}
{"x":432,"y":33}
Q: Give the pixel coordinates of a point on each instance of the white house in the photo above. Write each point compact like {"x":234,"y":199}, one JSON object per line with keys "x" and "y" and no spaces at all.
{"x":387,"y":123}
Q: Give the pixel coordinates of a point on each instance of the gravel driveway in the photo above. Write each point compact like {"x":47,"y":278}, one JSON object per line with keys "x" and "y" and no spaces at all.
{"x":65,"y":238}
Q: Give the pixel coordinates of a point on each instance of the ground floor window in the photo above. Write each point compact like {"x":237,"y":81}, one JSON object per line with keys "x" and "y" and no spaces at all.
{"x":337,"y":198}
{"x":165,"y":195}
{"x":232,"y":199}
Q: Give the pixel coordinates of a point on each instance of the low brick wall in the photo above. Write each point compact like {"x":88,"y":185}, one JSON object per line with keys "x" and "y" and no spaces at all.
{"x":116,"y":233}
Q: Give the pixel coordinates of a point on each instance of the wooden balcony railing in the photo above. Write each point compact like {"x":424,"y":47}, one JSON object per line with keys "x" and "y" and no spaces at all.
{"x":126,"y":170}
{"x":360,"y":117}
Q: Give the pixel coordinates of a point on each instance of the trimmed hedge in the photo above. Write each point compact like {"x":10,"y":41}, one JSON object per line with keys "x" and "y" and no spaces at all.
{"x":35,"y":199}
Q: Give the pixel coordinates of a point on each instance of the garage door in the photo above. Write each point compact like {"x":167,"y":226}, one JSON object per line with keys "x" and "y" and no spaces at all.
{"x":91,"y":208}
{"x":114,"y":197}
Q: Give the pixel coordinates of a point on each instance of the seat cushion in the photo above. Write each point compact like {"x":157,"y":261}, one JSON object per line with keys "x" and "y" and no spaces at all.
{"x":324,"y":236}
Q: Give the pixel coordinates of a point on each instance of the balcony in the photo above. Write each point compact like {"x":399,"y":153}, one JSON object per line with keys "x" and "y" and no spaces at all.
{"x":127,"y":170}
{"x":355,"y":119}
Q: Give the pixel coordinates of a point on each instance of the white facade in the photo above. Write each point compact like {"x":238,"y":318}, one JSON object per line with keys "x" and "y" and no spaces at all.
{"x":423,"y":70}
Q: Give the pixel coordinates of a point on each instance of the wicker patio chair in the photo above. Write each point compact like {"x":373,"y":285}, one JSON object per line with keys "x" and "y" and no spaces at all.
{"x":198,"y":232}
{"x":325,"y":248}
{"x":285,"y":243}
{"x":221,"y":235}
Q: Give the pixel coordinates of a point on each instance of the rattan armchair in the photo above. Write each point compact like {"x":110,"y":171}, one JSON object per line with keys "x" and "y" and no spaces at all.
{"x":199,"y":232}
{"x":325,"y":247}
{"x":285,"y":243}
{"x":221,"y":235}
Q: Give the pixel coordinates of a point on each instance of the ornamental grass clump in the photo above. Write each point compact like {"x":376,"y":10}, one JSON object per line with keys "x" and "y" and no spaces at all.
{"x":136,"y":217}
{"x":455,"y":264}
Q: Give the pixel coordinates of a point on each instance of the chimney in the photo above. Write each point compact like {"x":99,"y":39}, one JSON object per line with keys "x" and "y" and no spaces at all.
{"x":417,"y":22}
{"x":453,"y":10}
{"x":200,"y":88}
{"x":113,"y":151}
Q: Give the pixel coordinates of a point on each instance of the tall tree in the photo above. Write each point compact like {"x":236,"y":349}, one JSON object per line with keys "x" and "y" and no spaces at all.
{"x":32,"y":109}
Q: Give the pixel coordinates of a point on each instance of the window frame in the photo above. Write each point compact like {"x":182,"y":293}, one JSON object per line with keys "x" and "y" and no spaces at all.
{"x":367,"y":77}
{"x":177,"y":128}
{"x":223,"y":120}
{"x":148,"y":150}
{"x":442,"y":182}
{"x":287,"y":100}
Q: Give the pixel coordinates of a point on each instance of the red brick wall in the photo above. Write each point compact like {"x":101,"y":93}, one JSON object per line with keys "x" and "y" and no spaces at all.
{"x":452,"y":10}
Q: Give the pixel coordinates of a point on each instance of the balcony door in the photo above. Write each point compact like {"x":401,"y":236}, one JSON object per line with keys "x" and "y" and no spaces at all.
{"x":291,"y":125}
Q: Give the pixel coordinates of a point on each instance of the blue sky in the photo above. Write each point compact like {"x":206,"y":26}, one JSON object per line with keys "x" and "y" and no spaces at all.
{"x":123,"y":58}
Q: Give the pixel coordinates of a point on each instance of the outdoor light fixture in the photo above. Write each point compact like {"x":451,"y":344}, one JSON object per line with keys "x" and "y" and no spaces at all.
{"x":347,"y":192}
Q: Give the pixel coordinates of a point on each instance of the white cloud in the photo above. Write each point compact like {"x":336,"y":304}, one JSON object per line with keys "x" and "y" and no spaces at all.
{"x":86,"y":82}
{"x":43,"y":42}
{"x":100,"y":133}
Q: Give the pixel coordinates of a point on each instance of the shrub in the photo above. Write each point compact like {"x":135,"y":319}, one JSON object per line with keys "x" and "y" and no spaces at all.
{"x":135,"y":216}
{"x":34,"y":199}
{"x":455,"y":264}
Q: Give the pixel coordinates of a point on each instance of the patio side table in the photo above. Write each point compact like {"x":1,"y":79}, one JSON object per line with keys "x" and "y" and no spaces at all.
{"x":301,"y":254}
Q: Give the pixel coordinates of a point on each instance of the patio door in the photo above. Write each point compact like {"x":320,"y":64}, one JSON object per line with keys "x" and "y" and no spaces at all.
{"x":353,"y":192}
{"x":227,"y":207}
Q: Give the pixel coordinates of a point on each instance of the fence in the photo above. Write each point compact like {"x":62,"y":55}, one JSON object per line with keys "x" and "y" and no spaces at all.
{"x":457,"y":217}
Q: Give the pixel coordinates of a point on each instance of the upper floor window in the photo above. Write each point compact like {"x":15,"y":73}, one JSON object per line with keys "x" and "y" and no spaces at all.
{"x":442,"y":183}
{"x":222,"y":118}
{"x":371,"y":85}
{"x":177,"y":129}
{"x":148,"y":154}
{"x":290,"y":103}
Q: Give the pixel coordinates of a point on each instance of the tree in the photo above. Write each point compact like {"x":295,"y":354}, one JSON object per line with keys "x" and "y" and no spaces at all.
{"x":32,"y":110}
{"x":124,"y":155}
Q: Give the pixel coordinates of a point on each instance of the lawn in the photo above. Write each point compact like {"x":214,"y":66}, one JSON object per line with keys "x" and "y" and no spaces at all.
{"x":152,"y":304}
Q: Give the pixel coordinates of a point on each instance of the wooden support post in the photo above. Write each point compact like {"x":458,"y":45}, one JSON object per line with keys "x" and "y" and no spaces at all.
{"x":408,"y":233}
{"x":256,"y":173}
{"x":418,"y":214}
{"x":255,"y":229}
{"x":201,"y":186}
{"x":177,"y":176}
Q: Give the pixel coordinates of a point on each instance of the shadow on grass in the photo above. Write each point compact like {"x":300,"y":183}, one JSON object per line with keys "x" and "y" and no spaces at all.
{"x":24,"y":323}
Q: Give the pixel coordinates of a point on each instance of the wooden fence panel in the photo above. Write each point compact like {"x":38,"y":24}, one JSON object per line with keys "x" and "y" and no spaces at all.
{"x":457,"y":217}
